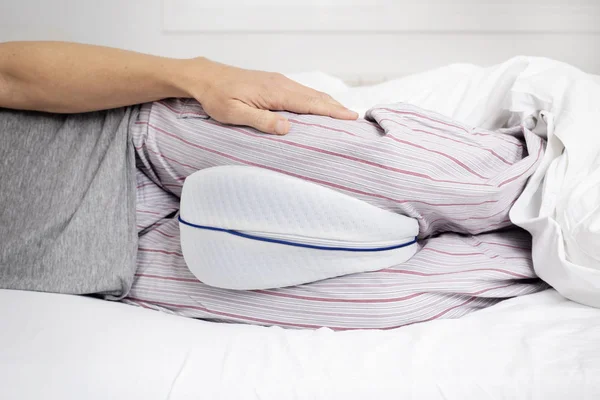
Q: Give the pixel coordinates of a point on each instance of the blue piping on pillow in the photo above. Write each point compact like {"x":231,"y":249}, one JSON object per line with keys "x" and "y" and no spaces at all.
{"x":285,"y":242}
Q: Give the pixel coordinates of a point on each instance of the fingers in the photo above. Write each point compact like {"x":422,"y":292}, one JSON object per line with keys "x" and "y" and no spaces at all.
{"x":264,"y":121}
{"x":298,"y":88}
{"x":328,"y":98}
{"x":318,"y":105}
{"x":305,"y":100}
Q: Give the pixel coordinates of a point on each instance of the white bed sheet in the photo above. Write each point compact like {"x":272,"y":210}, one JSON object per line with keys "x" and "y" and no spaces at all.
{"x":63,"y":347}
{"x":540,"y":346}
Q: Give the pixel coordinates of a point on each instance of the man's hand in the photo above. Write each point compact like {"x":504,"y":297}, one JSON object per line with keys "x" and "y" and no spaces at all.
{"x":243,"y":97}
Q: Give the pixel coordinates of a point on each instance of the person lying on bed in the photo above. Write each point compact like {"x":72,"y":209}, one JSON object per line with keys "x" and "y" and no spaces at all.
{"x":89,"y":179}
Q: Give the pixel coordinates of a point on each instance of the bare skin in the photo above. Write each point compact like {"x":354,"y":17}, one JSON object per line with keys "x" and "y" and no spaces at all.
{"x":70,"y":78}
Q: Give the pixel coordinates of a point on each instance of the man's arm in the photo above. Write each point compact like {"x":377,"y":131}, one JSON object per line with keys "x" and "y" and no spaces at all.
{"x":69,"y":77}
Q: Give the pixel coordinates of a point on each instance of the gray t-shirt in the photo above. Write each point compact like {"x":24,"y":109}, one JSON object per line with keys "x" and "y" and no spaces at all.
{"x":67,"y":202}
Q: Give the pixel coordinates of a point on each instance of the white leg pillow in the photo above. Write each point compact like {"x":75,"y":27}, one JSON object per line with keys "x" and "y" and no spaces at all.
{"x":252,"y":228}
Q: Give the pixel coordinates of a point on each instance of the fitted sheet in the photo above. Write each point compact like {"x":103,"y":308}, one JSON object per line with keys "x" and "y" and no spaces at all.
{"x":538,"y":346}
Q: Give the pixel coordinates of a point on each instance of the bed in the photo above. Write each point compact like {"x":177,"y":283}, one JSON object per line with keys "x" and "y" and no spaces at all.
{"x":539,"y":346}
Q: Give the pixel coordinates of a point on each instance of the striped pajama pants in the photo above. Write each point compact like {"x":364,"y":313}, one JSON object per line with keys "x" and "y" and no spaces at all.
{"x":458,"y":182}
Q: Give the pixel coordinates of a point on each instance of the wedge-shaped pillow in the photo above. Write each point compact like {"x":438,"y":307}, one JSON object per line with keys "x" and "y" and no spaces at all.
{"x":251,"y":228}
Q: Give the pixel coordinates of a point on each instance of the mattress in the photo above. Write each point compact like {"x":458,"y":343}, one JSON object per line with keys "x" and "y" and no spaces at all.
{"x":539,"y":346}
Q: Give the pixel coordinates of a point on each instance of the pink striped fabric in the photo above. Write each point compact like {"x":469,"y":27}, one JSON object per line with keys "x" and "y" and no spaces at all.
{"x":153,"y":204}
{"x":449,"y":176}
{"x":450,"y":276}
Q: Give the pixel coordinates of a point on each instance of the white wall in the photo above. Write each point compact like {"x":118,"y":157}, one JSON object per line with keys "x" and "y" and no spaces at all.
{"x":427,"y":35}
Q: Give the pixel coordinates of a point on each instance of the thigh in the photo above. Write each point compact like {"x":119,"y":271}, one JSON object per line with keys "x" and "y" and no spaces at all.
{"x":448,"y":176}
{"x":449,"y":277}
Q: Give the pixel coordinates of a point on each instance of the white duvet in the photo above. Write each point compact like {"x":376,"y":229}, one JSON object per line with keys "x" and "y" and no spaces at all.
{"x":540,"y":346}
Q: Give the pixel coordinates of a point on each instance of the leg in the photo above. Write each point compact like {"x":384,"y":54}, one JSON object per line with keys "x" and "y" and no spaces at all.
{"x":404,"y":159}
{"x":449,"y":277}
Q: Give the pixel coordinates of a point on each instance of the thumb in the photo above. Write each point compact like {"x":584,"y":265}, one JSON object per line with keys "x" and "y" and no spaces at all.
{"x":264,"y":121}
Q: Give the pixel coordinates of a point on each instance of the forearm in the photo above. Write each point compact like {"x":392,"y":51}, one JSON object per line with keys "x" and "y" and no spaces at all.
{"x":69,"y":77}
